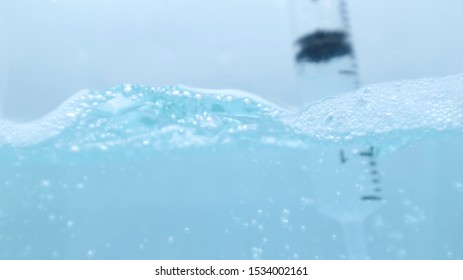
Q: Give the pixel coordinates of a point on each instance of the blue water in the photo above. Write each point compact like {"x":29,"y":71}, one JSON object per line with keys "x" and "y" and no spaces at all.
{"x":176,"y":173}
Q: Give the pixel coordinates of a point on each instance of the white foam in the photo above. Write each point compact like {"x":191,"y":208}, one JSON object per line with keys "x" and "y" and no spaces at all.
{"x":237,"y":94}
{"x":395,"y":108}
{"x":425,"y":105}
{"x":29,"y":133}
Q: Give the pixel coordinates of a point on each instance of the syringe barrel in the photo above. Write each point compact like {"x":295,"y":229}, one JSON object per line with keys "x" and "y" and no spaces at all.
{"x":307,"y":16}
{"x":323,"y":51}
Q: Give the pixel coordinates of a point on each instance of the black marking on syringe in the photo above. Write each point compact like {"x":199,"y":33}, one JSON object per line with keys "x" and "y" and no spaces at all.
{"x":344,"y":14}
{"x":346,"y":24}
{"x":371,"y":197}
{"x":369,"y":153}
{"x":322,"y":46}
{"x":342,"y":157}
{"x":347,"y":72}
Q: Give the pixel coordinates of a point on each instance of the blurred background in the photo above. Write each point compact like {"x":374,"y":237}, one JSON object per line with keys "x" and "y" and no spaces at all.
{"x":50,"y":49}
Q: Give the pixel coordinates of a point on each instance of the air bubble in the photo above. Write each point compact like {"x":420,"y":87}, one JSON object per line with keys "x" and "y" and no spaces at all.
{"x":45,"y":183}
{"x":74,"y":148}
{"x":90,"y":253}
{"x":459,"y":186}
{"x":127,"y":87}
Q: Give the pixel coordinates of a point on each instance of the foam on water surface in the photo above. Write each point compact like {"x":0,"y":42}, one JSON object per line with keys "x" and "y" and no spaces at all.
{"x":389,"y":112}
{"x":178,"y":117}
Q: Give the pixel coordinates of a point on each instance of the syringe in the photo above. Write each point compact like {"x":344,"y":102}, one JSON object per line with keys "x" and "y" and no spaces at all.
{"x":324,"y":57}
{"x":347,"y":180}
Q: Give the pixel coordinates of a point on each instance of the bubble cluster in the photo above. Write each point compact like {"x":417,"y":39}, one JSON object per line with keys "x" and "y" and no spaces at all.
{"x":394,"y":112}
{"x":176,"y":117}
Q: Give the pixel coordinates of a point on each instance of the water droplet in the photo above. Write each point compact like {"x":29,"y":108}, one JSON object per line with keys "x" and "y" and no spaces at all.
{"x":103,"y":147}
{"x":402,"y":253}
{"x":127,"y":87}
{"x":45,"y":183}
{"x":459,"y":186}
{"x":306,"y":201}
{"x":90,"y":253}
{"x":284,"y":218}
{"x":74,"y":148}
{"x":256,"y":252}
